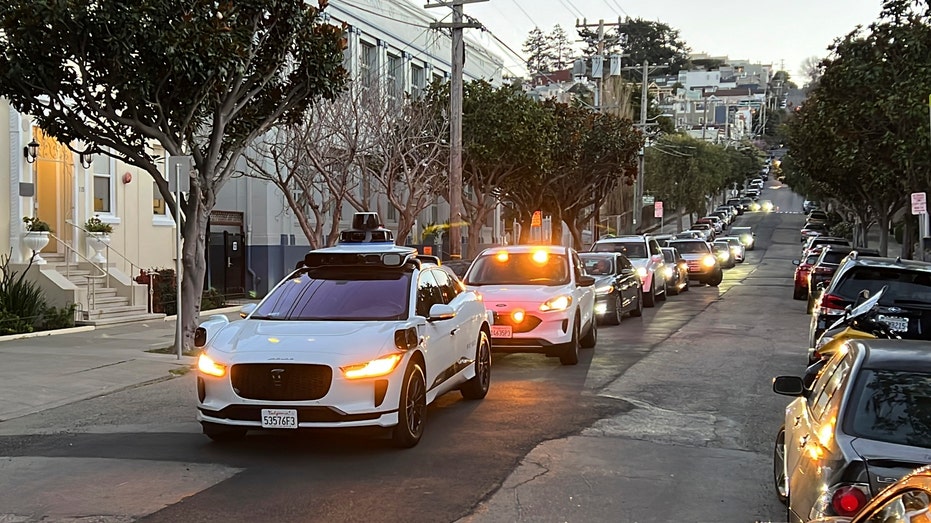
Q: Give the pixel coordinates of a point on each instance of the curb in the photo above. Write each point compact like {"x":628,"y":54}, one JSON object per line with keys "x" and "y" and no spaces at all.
{"x":25,"y":335}
{"x":224,"y":310}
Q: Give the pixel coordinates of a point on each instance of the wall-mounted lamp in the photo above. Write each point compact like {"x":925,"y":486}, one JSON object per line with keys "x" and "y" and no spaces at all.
{"x":31,"y":151}
{"x":87,"y":159}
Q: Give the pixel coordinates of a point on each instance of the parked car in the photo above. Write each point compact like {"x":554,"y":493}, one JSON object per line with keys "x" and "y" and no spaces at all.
{"x":907,"y":301}
{"x":618,"y":289}
{"x":644,"y":252}
{"x":862,"y":425}
{"x":702,"y":263}
{"x":817,"y":216}
{"x":906,"y":500}
{"x":824,"y":240}
{"x":810,"y":230}
{"x":689,"y":235}
{"x":810,"y":205}
{"x":746,"y":235}
{"x":706,"y":229}
{"x":802,"y":269}
{"x":541,"y":299}
{"x":676,"y":270}
{"x":358,"y":320}
{"x":715,"y":221}
{"x":737,"y":204}
{"x":826,"y":265}
{"x":458,"y":266}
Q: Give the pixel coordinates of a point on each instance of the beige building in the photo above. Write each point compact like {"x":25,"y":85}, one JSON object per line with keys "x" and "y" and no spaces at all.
{"x":46,"y":180}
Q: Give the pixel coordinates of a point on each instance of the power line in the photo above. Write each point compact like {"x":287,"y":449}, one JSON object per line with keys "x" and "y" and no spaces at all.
{"x":621,"y":8}
{"x":572,"y":8}
{"x":376,"y":13}
{"x":532,"y":21}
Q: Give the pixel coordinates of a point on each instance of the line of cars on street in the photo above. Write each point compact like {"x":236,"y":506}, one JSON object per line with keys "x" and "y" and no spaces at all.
{"x":860,"y":418}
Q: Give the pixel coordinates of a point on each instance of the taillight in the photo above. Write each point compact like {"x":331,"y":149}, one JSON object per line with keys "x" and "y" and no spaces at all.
{"x":832,"y":301}
{"x":847,"y":501}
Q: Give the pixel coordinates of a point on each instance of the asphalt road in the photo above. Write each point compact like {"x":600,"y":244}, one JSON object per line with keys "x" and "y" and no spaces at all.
{"x":677,"y":402}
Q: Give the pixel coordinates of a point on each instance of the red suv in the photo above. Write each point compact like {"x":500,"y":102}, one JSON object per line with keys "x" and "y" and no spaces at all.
{"x":802,"y":268}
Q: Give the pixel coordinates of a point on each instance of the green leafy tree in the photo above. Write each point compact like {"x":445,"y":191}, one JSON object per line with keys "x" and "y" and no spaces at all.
{"x":862,"y":136}
{"x":204,"y":79}
{"x":655,"y":42}
{"x":505,"y":134}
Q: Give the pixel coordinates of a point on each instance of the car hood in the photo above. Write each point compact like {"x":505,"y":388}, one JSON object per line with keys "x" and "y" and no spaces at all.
{"x":273,"y":340}
{"x":886,"y":463}
{"x":693,"y":255}
{"x":529,"y":297}
{"x":640,"y":262}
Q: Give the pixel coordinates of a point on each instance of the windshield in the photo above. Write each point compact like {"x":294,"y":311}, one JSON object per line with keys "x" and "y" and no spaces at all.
{"x":892,"y":406}
{"x":354,"y":294}
{"x":691,"y":247}
{"x":597,"y":265}
{"x":629,"y":249}
{"x":519,"y":268}
{"x":904,"y":285}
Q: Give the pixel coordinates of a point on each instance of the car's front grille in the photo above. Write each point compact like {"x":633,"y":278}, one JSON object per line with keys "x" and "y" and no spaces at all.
{"x":530,"y":322}
{"x":281,"y":382}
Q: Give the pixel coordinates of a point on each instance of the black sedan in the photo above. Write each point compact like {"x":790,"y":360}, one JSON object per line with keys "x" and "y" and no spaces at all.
{"x":677,"y":271}
{"x":863,"y":424}
{"x":618,"y":288}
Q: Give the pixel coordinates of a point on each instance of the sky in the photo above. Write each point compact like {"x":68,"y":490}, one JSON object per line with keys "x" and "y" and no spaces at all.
{"x":782,"y":33}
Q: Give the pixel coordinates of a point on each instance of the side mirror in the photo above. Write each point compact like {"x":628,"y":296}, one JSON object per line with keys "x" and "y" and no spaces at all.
{"x":796,"y":262}
{"x":247,"y":309}
{"x":788,"y":385}
{"x":441,"y":311}
{"x":586,"y":281}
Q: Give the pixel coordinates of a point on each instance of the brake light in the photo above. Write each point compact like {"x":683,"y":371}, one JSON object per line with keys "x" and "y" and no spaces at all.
{"x":823,"y":270}
{"x":847,"y":501}
{"x":832,"y":301}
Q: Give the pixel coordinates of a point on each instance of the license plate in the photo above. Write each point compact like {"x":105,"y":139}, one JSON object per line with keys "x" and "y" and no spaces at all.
{"x":279,"y":418}
{"x":895,"y":323}
{"x":501,"y":331}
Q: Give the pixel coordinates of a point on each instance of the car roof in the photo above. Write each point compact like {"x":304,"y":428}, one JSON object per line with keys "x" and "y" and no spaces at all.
{"x":552,"y":249}
{"x":894,"y":354}
{"x":879,"y":262}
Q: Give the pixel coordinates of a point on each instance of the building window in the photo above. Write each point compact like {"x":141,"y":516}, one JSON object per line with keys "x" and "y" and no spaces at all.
{"x":395,"y":77}
{"x":418,"y":81}
{"x":368,"y":66}
{"x":103,"y":184}
{"x":392,"y":213}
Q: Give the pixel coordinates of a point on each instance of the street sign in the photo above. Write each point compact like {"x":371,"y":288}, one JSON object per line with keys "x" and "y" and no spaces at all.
{"x":658,"y":210}
{"x":919,"y":203}
{"x":648,"y":200}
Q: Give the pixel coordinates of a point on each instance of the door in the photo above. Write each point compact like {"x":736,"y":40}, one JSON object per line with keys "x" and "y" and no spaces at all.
{"x":54,"y":191}
{"x":226,"y":261}
{"x":438,"y":334}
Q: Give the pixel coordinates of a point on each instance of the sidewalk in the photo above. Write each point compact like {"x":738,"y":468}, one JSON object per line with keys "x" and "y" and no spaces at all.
{"x":45,"y":370}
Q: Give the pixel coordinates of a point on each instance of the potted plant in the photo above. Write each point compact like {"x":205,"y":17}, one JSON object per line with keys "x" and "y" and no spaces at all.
{"x":98,"y":237}
{"x":36,"y":237}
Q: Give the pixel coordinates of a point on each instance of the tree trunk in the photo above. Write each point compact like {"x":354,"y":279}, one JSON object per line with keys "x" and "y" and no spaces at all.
{"x":884,"y":234}
{"x":908,"y":239}
{"x":194,"y":266}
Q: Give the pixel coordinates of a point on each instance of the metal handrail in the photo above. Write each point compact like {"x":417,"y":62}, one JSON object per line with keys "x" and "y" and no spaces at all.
{"x":91,"y":298}
{"x":132,"y":266}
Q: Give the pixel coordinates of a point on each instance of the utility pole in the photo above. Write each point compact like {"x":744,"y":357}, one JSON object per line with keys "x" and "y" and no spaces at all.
{"x":596,"y":218}
{"x":455,"y":118}
{"x":639,"y":183}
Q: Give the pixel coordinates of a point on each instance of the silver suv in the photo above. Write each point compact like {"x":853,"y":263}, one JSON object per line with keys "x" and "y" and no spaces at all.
{"x":645,"y":254}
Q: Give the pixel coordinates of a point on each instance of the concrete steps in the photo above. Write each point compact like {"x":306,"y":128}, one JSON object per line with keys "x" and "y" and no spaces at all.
{"x":108,"y":307}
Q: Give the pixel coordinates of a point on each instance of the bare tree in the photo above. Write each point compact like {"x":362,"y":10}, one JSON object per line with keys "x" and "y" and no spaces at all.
{"x":408,"y":156}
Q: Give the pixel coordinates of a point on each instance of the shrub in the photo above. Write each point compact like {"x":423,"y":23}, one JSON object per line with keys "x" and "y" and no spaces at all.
{"x":58,"y":318}
{"x":94,"y":224}
{"x":34,"y":224}
{"x":22,"y":302}
{"x":842,"y":230}
{"x":212,"y":299}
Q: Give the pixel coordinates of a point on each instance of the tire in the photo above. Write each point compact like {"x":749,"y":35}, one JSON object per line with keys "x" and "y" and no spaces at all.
{"x":638,"y":312}
{"x":798,"y":293}
{"x":662,"y":295}
{"x":591,"y":337}
{"x":686,"y":286}
{"x":613,"y":317}
{"x":222,"y":433}
{"x":649,"y":298}
{"x":569,"y":354}
{"x":716,"y":279}
{"x":412,"y":408}
{"x":674,"y":291}
{"x":780,"y":479}
{"x":477,"y":387}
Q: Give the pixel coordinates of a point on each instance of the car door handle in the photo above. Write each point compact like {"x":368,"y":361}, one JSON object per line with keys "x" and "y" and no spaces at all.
{"x":454,"y":331}
{"x":803,"y":441}
{"x":798,"y":421}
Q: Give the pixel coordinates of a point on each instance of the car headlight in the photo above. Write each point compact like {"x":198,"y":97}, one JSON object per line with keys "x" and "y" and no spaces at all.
{"x":724,"y":255}
{"x":372,"y":369}
{"x":708,"y":261}
{"x":559,"y":303}
{"x":668,"y":271}
{"x":642,"y":272}
{"x":607,"y":289}
{"x":206,"y":365}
